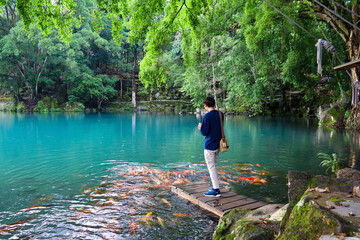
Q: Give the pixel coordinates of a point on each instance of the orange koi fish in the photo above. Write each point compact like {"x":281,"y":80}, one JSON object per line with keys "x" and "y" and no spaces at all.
{"x":134,"y":227}
{"x":229,"y":180}
{"x":246,"y":179}
{"x":166,"y":202}
{"x":256,"y":180}
{"x":84,"y":210}
{"x":161,"y":222}
{"x":28,"y":208}
{"x":137,"y":190}
{"x":7,"y":229}
{"x":258,"y":165}
{"x":181,"y":214}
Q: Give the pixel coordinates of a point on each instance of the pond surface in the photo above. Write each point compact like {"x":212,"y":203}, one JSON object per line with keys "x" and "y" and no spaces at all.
{"x":107,"y":176}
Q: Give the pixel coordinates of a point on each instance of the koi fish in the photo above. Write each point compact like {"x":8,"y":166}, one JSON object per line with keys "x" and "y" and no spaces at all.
{"x":84,"y":210}
{"x":246,"y":179}
{"x":78,"y":175}
{"x":242,"y":168}
{"x":42,"y":199}
{"x":134,"y":227}
{"x":203,"y":177}
{"x":228,"y":180}
{"x":223,"y":182}
{"x":166,"y":202}
{"x":147,"y":218}
{"x":244,"y":164}
{"x":181,"y":214}
{"x":225,"y":167}
{"x":221,"y":171}
{"x":258,"y":165}
{"x":132,"y":211}
{"x":161,"y":221}
{"x":7,"y":229}
{"x":28,"y":208}
{"x":137,"y":190}
{"x":256,"y":180}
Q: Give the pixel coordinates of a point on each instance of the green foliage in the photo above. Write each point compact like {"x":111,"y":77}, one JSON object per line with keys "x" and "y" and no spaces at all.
{"x":20,"y":107}
{"x":41,"y":107}
{"x":244,"y":53}
{"x":74,"y":107}
{"x":329,"y":161}
{"x":9,"y":106}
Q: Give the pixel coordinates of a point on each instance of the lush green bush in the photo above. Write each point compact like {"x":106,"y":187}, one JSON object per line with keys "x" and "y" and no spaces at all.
{"x":9,"y":106}
{"x":21,"y":107}
{"x":41,"y":107}
{"x":74,"y":107}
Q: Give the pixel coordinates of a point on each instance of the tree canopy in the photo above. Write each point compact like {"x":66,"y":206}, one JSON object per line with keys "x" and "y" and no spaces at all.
{"x":245,"y":53}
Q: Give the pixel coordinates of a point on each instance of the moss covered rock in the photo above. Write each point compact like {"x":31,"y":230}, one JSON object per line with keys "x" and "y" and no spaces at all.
{"x":308,"y":220}
{"x":232,"y":226}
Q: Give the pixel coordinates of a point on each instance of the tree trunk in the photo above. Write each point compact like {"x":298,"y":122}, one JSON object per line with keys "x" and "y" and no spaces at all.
{"x":121,"y":88}
{"x":214,"y":82}
{"x":133,"y":93}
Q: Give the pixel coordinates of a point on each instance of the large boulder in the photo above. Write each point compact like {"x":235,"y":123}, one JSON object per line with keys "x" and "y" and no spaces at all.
{"x":348,"y":173}
{"x":309,"y":220}
{"x":297,"y":183}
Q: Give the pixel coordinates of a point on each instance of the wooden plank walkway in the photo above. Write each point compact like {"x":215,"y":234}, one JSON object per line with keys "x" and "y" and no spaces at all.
{"x":194,"y":192}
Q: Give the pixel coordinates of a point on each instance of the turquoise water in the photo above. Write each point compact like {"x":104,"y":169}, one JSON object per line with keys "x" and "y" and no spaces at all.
{"x":50,"y":160}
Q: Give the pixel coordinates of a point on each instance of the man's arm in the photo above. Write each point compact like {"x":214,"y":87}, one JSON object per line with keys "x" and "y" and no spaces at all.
{"x":204,"y":127}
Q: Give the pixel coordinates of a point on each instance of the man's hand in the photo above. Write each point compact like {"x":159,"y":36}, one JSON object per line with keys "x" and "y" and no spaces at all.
{"x":199,"y":126}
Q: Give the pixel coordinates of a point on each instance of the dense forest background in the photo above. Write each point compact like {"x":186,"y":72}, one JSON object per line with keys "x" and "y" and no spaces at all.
{"x":246,"y":54}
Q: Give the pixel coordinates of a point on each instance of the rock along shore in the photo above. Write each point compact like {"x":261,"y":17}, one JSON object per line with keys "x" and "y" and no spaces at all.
{"x":320,"y":207}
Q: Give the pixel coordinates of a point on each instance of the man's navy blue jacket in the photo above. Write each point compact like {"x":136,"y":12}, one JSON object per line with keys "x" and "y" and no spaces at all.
{"x":211,"y":129}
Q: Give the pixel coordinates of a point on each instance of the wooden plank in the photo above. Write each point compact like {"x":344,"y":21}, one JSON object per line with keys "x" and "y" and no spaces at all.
{"x":202,"y":189}
{"x":197,"y":202}
{"x":194,"y":192}
{"x":348,"y":65}
{"x":253,"y":206}
{"x":200,"y":195}
{"x":223,"y":196}
{"x":222,"y":201}
{"x":192,"y":184}
{"x":237,"y":204}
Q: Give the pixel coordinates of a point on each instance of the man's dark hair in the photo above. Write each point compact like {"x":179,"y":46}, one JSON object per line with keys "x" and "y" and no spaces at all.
{"x":209,"y":101}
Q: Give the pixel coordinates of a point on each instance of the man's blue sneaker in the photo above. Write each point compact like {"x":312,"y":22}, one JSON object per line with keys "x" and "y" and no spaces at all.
{"x":213,"y":193}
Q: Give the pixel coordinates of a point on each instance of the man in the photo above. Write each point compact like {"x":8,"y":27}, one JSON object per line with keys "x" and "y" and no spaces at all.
{"x":211,"y":129}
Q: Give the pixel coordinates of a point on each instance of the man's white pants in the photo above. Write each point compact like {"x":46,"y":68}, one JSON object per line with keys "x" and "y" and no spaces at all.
{"x":210,"y":159}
